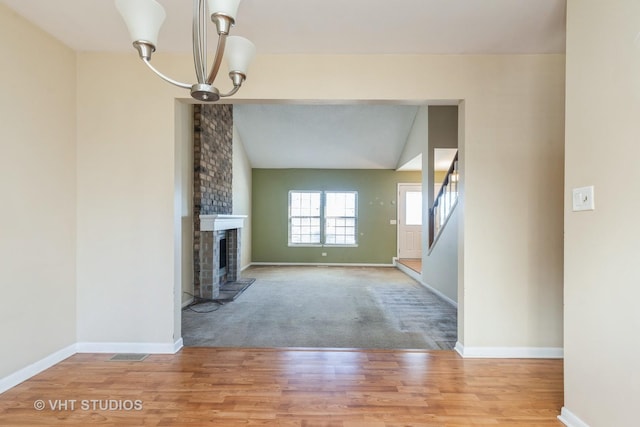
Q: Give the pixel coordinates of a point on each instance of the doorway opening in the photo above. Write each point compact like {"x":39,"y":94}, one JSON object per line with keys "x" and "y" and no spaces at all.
{"x":410,"y":226}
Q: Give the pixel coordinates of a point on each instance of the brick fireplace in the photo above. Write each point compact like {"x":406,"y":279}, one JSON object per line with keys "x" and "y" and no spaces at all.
{"x":212,"y":189}
{"x":219,"y":252}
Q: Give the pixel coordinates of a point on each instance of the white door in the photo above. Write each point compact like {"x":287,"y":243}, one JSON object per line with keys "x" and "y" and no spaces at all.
{"x":409,"y":221}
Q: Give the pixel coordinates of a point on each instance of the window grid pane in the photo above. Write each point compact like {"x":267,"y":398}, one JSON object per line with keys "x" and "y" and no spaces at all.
{"x":304,"y":217}
{"x":340,"y":218}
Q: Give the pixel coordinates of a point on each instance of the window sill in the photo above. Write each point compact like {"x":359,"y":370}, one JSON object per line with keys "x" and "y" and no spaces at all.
{"x":308,"y":245}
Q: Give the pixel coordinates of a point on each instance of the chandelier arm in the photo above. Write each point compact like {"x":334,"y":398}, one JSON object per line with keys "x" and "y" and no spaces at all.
{"x":203,"y":37}
{"x":165,"y":78}
{"x":222,"y":41}
{"x":199,"y":59}
{"x":231,"y":92}
{"x":237,"y":78}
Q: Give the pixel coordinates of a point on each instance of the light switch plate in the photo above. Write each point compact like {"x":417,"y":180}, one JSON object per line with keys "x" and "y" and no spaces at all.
{"x":583,"y":199}
{"x":392,"y":222}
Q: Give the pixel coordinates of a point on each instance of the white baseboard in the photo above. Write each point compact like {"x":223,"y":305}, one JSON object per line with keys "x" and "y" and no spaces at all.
{"x":129,"y":347}
{"x":35,"y":368}
{"x":418,"y":278}
{"x":567,"y":418}
{"x":406,"y":270}
{"x":440,"y":294}
{"x":187,"y":302}
{"x":510,"y":352}
{"x":318,"y":264}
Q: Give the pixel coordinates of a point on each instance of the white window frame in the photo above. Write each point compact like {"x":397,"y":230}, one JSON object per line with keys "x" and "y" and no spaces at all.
{"x":291,"y":217}
{"x":323,"y":220}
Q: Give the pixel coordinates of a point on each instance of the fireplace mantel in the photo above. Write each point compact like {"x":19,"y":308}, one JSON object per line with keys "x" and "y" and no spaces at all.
{"x":221,"y":222}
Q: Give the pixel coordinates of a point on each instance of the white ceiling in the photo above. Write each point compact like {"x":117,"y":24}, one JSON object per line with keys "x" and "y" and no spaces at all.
{"x":323,"y":136}
{"x":327,"y":26}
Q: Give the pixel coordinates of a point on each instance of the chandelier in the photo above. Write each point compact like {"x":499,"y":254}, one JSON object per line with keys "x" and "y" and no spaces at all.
{"x":144,"y":18}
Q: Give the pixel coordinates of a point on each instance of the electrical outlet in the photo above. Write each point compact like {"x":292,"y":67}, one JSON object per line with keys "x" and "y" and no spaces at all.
{"x":583,"y":199}
{"x":324,"y":254}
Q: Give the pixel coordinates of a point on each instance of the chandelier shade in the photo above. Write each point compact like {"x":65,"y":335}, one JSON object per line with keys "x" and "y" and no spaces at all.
{"x":145,"y":17}
{"x":239,"y":53}
{"x":224,"y":7}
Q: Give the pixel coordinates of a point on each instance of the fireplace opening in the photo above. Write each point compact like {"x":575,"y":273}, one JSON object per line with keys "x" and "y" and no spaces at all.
{"x":222,"y":261}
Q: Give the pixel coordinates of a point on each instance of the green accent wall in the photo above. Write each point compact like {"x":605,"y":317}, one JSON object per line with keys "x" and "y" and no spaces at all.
{"x":377,"y":205}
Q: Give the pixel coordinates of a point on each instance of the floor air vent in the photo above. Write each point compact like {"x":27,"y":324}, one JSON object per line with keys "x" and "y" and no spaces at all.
{"x":128,"y":357}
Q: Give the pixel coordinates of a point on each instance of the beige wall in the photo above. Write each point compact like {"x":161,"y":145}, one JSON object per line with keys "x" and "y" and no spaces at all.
{"x":602,"y":381}
{"x":512,"y":228}
{"x":126,"y":211}
{"x":184,"y":199}
{"x":38,"y":192}
{"x":242,"y":194}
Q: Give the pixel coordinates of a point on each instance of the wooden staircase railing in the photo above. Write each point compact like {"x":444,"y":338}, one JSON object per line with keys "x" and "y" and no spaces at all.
{"x":444,"y":202}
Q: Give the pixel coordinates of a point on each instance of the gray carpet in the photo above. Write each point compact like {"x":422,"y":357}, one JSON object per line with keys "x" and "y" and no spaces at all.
{"x":329,"y":307}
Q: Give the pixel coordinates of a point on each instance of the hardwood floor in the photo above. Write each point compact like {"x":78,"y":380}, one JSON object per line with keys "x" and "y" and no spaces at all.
{"x":290,"y":387}
{"x":414,"y":264}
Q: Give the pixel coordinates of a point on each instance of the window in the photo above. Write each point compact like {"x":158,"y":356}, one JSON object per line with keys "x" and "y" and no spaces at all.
{"x":323,"y":218}
{"x":304,"y":217}
{"x":340,"y":218}
{"x":413,"y":208}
